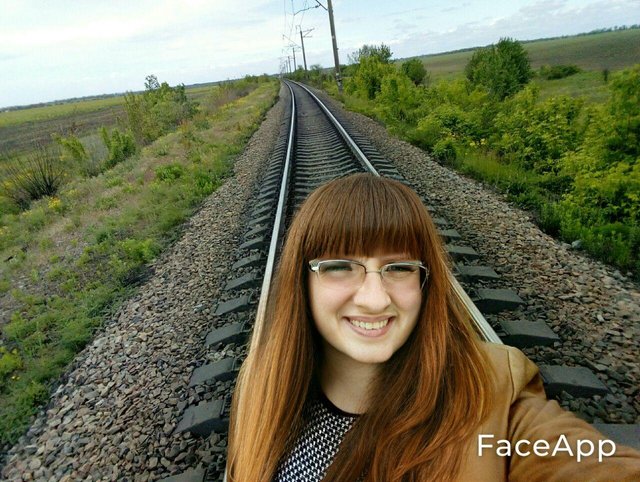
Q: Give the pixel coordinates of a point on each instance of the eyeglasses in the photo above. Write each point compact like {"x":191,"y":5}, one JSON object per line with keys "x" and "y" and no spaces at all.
{"x":349,"y":274}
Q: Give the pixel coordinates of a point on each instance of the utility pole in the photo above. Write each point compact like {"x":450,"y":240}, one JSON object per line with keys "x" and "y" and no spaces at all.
{"x":293,"y":49}
{"x":304,"y":57}
{"x":335,"y":46}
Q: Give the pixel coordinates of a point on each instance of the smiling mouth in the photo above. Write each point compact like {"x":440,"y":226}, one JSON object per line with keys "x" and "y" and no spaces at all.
{"x":377,"y":325}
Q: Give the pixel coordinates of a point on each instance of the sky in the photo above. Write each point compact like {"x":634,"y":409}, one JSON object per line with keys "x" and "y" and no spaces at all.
{"x":55,"y":49}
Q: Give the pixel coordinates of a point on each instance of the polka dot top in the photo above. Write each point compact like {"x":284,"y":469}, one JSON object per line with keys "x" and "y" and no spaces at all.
{"x":317,"y":445}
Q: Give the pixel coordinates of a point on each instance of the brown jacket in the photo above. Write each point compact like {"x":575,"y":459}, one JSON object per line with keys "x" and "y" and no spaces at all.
{"x":522,"y":412}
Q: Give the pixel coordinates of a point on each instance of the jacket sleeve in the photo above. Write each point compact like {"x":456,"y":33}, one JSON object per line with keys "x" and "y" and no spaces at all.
{"x":534,"y":418}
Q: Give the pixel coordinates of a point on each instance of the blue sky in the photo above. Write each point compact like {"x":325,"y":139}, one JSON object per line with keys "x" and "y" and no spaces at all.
{"x":54,"y":49}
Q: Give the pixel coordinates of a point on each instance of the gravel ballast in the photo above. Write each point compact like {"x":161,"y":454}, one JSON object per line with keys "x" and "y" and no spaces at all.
{"x":114,"y":415}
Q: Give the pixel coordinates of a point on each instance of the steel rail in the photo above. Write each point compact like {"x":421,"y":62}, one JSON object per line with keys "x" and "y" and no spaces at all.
{"x":278,"y":226}
{"x":350,"y":142}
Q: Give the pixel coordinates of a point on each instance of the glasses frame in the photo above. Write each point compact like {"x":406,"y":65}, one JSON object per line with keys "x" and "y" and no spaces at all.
{"x":314,"y":265}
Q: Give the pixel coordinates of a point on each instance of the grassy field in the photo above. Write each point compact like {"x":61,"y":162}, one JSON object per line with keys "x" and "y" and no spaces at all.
{"x":72,"y":258}
{"x":592,"y":53}
{"x":606,"y":50}
{"x":66,"y":109}
{"x":21,"y":130}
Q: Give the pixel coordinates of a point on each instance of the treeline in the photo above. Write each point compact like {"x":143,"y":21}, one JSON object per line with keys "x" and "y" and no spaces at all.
{"x":575,"y":165}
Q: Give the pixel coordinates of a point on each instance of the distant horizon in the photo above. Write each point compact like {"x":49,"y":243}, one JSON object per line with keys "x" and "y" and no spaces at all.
{"x":198,"y":84}
{"x":51,"y":54}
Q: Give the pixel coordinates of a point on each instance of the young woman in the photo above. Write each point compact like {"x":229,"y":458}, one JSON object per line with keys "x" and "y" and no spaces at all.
{"x":368,"y":367}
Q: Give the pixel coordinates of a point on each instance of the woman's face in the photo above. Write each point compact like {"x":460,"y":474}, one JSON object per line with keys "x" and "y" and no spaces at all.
{"x":365,"y":323}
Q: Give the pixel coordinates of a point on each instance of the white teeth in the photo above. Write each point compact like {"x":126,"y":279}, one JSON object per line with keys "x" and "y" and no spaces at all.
{"x":370,"y":326}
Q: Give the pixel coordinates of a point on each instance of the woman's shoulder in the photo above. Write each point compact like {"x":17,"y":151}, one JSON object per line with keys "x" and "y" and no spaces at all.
{"x":513,"y":371}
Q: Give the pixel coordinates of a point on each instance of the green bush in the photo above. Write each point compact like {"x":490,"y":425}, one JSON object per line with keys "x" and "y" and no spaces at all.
{"x":415,"y":70}
{"x":36,"y":176}
{"x":367,"y":80}
{"x":158,"y":110}
{"x":428,"y":132}
{"x":120,"y":146}
{"x":10,"y":361}
{"x":552,"y":72}
{"x":536,"y":134}
{"x":205,"y":183}
{"x":170,"y":172}
{"x":73,"y":149}
{"x":445,"y":149}
{"x":398,"y":99}
{"x":382,"y":53}
{"x":502,"y":69}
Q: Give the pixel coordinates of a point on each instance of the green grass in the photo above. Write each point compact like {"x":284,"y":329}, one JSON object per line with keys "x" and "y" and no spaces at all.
{"x":588,"y":85}
{"x":105,"y":230}
{"x":22,"y":130}
{"x":606,"y":50}
{"x":48,"y":112}
{"x":595,"y":52}
{"x":74,"y":108}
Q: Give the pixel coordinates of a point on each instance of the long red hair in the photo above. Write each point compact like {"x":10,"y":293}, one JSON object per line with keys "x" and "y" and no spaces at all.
{"x":430,"y":396}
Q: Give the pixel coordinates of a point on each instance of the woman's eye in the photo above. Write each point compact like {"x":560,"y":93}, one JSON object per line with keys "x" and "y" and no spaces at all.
{"x":335,"y":267}
{"x":401,"y":268}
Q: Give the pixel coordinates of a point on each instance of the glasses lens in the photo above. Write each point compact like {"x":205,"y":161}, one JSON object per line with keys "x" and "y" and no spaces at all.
{"x":339,"y":273}
{"x":400,"y":271}
{"x":402,"y":274}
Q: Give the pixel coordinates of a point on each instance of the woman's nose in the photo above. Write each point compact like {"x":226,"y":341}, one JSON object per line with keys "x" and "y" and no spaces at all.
{"x":372,"y":294}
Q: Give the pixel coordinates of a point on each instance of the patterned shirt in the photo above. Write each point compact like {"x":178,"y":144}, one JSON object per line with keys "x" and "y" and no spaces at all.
{"x":317,"y":445}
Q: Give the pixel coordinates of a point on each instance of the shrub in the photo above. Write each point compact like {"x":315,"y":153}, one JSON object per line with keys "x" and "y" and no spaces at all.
{"x":502,"y":69}
{"x":367,"y":80}
{"x":398,"y":99}
{"x":381,"y":53}
{"x":41,"y":174}
{"x":414,"y":69}
{"x":552,"y":72}
{"x":205,"y":183}
{"x":170,"y":172}
{"x":120,"y":146}
{"x":10,"y":361}
{"x":157,"y":110}
{"x":73,"y":149}
{"x":428,"y":132}
{"x":316,"y":75}
{"x":445,"y":149}
{"x":537,"y":135}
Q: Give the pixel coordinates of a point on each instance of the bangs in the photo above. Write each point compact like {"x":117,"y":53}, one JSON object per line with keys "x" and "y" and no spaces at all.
{"x":361,"y":215}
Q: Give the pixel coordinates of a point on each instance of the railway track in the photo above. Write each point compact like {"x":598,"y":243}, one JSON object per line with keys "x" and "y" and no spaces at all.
{"x":314,"y":147}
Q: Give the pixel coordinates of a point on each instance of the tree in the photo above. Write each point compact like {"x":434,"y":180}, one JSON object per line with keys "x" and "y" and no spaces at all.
{"x":367,"y":79}
{"x":381,"y":52}
{"x":159,"y":109}
{"x":414,"y":69}
{"x":502,"y":69}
